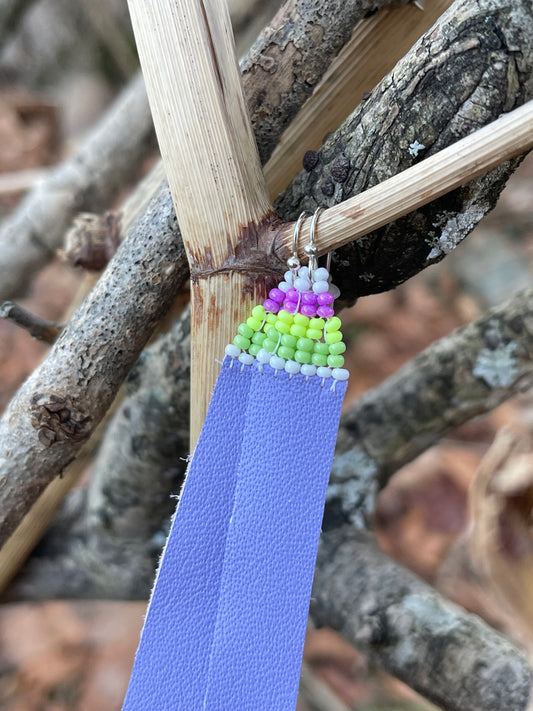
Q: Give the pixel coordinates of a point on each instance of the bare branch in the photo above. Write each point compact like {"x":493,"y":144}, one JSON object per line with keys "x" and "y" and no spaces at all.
{"x":36,"y":326}
{"x":447,"y":655}
{"x":88,"y":181}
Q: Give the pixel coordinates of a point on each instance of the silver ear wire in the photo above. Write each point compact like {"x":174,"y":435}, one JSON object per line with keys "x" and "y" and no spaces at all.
{"x":311,"y":250}
{"x":293,"y":262}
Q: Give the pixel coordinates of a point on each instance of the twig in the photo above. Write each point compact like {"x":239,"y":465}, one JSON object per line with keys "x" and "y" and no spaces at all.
{"x":447,"y":655}
{"x":88,"y":181}
{"x":36,"y":326}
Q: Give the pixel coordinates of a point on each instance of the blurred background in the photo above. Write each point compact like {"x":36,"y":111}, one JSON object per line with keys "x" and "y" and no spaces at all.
{"x":61,"y":65}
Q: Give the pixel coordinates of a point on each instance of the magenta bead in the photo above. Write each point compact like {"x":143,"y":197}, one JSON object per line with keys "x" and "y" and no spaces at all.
{"x":276,"y":295}
{"x":308,"y":310}
{"x":309,"y":298}
{"x":290,"y":306}
{"x":325,"y":299}
{"x":325,"y":311}
{"x":270,"y":305}
{"x":293,"y":294}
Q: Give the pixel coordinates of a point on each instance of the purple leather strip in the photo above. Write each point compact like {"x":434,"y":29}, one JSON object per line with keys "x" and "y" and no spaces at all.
{"x":287,"y":449}
{"x":171,"y":665}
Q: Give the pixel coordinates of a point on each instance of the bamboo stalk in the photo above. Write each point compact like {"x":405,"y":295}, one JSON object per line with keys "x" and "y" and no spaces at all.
{"x":377,"y":43}
{"x":208,"y":149}
{"x":503,"y":139}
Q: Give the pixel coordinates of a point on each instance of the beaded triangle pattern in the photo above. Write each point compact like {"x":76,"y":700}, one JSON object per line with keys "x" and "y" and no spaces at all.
{"x":295,"y":329}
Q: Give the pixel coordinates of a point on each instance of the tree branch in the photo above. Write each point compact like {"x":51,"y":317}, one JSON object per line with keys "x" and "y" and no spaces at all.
{"x":88,"y":181}
{"x":36,"y":326}
{"x":447,"y":655}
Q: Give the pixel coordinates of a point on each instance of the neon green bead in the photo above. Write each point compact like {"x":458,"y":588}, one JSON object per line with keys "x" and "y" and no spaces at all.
{"x":334,"y":337}
{"x":258,"y":338}
{"x":258,"y":312}
{"x":245,"y":330}
{"x":333,"y":324}
{"x":305,"y":344}
{"x":301,"y":320}
{"x":285,"y":316}
{"x":254,"y":349}
{"x":271,"y":318}
{"x":314,"y":333}
{"x":282,"y":327}
{"x":288,"y":340}
{"x":317,"y":323}
{"x":272,"y":333}
{"x":241,"y":342}
{"x":337,"y":348}
{"x":302,"y":357}
{"x":269,"y":345}
{"x":335,"y":361}
{"x":319,"y":347}
{"x":254,"y":323}
{"x":319,"y":359}
{"x":286,"y":352}
{"x":298,"y":330}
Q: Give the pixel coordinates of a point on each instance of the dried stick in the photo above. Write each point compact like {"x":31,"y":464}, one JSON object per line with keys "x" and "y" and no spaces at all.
{"x":447,"y":655}
{"x":88,"y":181}
{"x":377,"y":43}
{"x":36,"y":326}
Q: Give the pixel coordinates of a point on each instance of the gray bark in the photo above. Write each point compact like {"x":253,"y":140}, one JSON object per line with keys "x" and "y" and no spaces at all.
{"x":447,"y":655}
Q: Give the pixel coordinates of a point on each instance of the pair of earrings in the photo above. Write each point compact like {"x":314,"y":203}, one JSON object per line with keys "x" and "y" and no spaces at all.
{"x":295,"y":330}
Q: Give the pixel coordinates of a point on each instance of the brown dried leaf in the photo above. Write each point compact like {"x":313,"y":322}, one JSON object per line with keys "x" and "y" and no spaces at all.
{"x":501,"y":507}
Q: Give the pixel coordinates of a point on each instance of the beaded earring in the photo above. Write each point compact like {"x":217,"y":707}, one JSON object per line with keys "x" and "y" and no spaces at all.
{"x":226,"y":623}
{"x":295,"y":329}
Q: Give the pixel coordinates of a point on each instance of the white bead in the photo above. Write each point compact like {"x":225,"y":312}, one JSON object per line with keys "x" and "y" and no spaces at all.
{"x":289,"y":277}
{"x":321,"y":274}
{"x":320,"y":287}
{"x":340,"y":374}
{"x":323,"y":372}
{"x":232,"y":350}
{"x":292,"y":367}
{"x":335,"y":291}
{"x":263,"y":356}
{"x":284,"y":286}
{"x":277,"y":362}
{"x":246,"y":358}
{"x":302,"y":284}
{"x":308,"y":369}
{"x":303,"y":271}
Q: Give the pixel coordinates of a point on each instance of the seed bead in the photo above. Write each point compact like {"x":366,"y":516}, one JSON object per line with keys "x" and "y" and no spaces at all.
{"x":298,"y":331}
{"x":263,"y":356}
{"x":321,"y":274}
{"x":314,"y":333}
{"x":254,"y":348}
{"x":340,"y":374}
{"x":308,"y":310}
{"x":320,"y":287}
{"x":319,"y":359}
{"x":290,"y":306}
{"x":309,"y":298}
{"x":302,"y":283}
{"x":242,"y":342}
{"x":258,"y":338}
{"x":232,"y":350}
{"x":269,"y":345}
{"x":285,"y":316}
{"x":288,"y":340}
{"x":325,"y":299}
{"x":293,"y":294}
{"x":271,"y":305}
{"x":282,"y":327}
{"x":308,"y":369}
{"x":334,"y":337}
{"x":335,"y":361}
{"x":317,"y":323}
{"x":253,"y":323}
{"x":324,"y":372}
{"x":302,"y":357}
{"x":277,"y":362}
{"x":246,"y":359}
{"x":333,"y":324}
{"x":284,"y":287}
{"x":301,"y":320}
{"x":292,"y":367}
{"x":272,"y":333}
{"x":289,"y":277}
{"x":322,"y":348}
{"x":271,"y":319}
{"x":288,"y":353}
{"x":305,"y":344}
{"x":276,"y":295}
{"x":325,"y":311}
{"x":258,"y":312}
{"x":245,"y":330}
{"x":337,"y":348}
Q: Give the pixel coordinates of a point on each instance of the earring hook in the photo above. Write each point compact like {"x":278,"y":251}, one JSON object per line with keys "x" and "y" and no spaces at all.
{"x":293,"y":262}
{"x":311,"y":250}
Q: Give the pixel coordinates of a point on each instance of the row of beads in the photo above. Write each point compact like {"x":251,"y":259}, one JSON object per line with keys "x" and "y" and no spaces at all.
{"x":300,"y":293}
{"x":290,"y":366}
